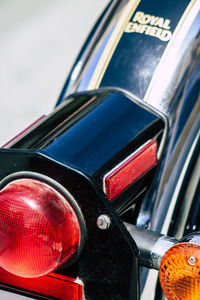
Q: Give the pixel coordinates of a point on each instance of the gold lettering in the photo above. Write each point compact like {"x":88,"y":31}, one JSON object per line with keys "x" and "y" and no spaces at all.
{"x":145,"y":19}
{"x":160,"y":28}
{"x":143,"y":28}
{"x":136,"y":27}
{"x":166,"y":35}
{"x":159,"y":32}
{"x":129,"y":27}
{"x":148,"y":30}
{"x":159,"y":23}
{"x":153,"y":31}
{"x":138,"y":16}
{"x":166,"y":24}
{"x":153,"y":20}
{"x":132,"y":27}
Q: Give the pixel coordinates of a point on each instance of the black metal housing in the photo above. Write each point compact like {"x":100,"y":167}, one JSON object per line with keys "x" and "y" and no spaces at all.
{"x":93,"y":132}
{"x":112,"y":250}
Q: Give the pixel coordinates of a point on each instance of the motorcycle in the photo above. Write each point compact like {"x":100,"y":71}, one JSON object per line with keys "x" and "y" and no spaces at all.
{"x":100,"y":199}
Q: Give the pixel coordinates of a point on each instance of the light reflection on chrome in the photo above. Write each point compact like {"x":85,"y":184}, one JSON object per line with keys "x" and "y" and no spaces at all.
{"x":175,"y":61}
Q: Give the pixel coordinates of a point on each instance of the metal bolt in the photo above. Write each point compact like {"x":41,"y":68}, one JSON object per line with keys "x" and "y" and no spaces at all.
{"x":103,"y":222}
{"x":194,"y":227}
{"x":192,"y":260}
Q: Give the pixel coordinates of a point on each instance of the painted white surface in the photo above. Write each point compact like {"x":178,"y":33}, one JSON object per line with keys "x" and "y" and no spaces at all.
{"x":4,"y":295}
{"x":39,"y":41}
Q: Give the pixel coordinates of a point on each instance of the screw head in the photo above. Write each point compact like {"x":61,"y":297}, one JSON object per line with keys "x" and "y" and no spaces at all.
{"x":103,"y":222}
{"x":192,"y":260}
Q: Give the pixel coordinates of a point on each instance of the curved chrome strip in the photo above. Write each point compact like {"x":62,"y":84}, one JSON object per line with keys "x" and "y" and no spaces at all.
{"x":178,"y":187}
{"x":152,"y":278}
{"x":187,"y":200}
{"x":112,"y":44}
{"x":158,"y":89}
{"x":150,"y":285}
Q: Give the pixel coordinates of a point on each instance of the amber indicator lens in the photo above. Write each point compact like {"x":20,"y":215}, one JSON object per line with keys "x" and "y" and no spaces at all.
{"x":130,"y":170}
{"x":39,"y":229}
{"x":180,"y":272}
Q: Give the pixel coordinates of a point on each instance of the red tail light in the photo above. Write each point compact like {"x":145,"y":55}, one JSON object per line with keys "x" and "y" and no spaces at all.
{"x":39,"y":229}
{"x":130,"y":170}
{"x":52,"y":285}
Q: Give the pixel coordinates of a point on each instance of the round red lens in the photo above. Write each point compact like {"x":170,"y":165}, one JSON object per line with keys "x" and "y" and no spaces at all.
{"x":39,"y":229}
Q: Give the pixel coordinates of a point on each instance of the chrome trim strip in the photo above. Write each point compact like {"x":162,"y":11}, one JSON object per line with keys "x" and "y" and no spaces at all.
{"x":187,"y":200}
{"x":152,"y":246}
{"x":150,"y":285}
{"x":165,"y":226}
{"x":162,"y":245}
{"x":152,"y":277}
{"x":158,"y":90}
{"x":112,"y":44}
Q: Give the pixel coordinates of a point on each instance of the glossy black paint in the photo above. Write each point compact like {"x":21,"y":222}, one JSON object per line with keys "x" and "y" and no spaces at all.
{"x":107,"y":254}
{"x":96,"y":138}
{"x":65,"y":127}
{"x":94,"y":35}
{"x":77,"y":75}
{"x":173,"y":177}
{"x":182,"y":112}
{"x":182,"y":134}
{"x":179,"y":109}
{"x":101,"y":130}
{"x":137,"y":55}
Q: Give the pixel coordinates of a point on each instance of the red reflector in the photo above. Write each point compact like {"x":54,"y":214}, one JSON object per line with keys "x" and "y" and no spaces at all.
{"x":130,"y":170}
{"x":39,"y":230}
{"x":52,"y":285}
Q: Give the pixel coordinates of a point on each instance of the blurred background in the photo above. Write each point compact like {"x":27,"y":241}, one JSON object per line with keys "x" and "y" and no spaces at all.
{"x":39,"y":40}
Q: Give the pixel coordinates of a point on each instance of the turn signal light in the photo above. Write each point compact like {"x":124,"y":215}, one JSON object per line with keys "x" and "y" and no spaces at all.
{"x":39,"y":229}
{"x":180,"y":272}
{"x":130,"y":170}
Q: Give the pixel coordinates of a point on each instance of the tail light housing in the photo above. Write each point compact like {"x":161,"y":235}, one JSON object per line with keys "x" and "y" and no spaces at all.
{"x":41,"y":227}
